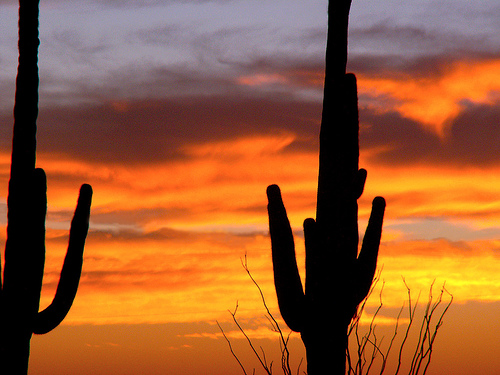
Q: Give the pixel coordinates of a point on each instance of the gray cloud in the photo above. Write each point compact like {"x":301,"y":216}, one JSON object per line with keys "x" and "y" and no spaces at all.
{"x":388,"y":37}
{"x":166,"y":51}
{"x":153,"y":131}
{"x":145,"y":108}
{"x":156,"y":131}
{"x":472,"y":138}
{"x":417,"y":50}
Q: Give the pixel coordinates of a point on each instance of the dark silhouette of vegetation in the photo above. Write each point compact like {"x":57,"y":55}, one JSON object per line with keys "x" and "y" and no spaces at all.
{"x":261,"y":356}
{"x":369,"y":345}
{"x":367,"y":352}
{"x":27,"y":208}
{"x":337,"y":279}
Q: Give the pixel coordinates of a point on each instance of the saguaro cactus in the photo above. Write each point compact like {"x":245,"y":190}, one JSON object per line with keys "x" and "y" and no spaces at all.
{"x":337,"y":279}
{"x":27,"y":207}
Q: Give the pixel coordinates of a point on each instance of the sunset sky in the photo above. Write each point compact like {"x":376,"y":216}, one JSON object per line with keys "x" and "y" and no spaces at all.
{"x":179,"y":113}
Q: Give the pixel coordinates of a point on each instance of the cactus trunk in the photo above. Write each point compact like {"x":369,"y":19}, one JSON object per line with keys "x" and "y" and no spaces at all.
{"x":337,"y":278}
{"x":27,"y":207}
{"x":325,"y":347}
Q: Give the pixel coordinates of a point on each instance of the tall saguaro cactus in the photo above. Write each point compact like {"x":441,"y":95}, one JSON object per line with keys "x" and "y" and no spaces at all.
{"x":337,"y":278}
{"x":27,"y":208}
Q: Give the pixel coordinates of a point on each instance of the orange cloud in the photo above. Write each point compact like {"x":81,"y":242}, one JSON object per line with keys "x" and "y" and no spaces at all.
{"x":433,"y":100}
{"x":166,"y":239}
{"x":436,"y":99}
{"x":423,"y":191}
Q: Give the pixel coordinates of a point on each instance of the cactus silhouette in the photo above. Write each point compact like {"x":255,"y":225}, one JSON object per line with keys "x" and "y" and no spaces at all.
{"x":27,"y":208}
{"x":337,"y":278}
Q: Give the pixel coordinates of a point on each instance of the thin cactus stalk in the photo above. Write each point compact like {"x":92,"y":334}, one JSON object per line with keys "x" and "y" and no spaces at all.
{"x":337,"y":278}
{"x":27,"y":208}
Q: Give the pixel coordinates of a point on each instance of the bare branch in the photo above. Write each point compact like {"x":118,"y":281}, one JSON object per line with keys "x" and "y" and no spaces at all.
{"x":231,"y":348}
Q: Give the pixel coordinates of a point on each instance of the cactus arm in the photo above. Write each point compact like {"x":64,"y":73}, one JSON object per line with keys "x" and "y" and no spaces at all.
{"x":286,"y":275}
{"x":54,"y":314}
{"x":313,"y":258}
{"x":367,"y":259}
{"x":37,"y":212}
{"x":27,"y":207}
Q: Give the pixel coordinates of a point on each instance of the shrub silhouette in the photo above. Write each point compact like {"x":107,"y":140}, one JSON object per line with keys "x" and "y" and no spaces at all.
{"x":337,"y":279}
{"x":367,"y":352}
{"x":27,"y":208}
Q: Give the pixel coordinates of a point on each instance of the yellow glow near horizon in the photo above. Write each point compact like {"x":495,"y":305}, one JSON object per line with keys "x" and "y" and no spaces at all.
{"x":197,"y":278}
